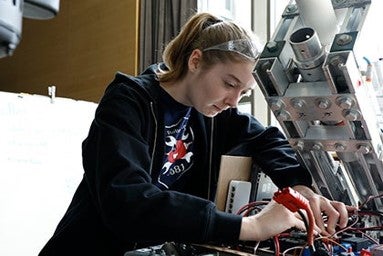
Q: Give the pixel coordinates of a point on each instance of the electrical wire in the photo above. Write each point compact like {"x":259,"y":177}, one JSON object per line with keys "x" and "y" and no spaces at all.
{"x":369,"y":199}
{"x":256,"y":247}
{"x":327,"y":241}
{"x":304,"y":219}
{"x":276,"y":245}
{"x":294,"y":201}
{"x":292,"y":248}
{"x":248,"y":208}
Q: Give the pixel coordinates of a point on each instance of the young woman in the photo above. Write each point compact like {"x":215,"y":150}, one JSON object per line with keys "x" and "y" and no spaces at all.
{"x":151,"y":158}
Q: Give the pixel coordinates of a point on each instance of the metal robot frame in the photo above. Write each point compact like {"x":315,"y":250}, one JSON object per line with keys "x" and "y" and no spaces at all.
{"x":311,"y":75}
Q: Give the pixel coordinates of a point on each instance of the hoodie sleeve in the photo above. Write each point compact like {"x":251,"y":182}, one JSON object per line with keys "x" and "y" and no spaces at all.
{"x":242,"y":134}
{"x":117,"y":159}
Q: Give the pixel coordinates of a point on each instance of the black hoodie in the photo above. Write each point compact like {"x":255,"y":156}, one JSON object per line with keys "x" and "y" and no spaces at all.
{"x":116,"y":205}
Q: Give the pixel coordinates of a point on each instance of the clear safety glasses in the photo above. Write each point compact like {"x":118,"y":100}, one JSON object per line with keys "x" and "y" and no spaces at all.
{"x":243,"y":47}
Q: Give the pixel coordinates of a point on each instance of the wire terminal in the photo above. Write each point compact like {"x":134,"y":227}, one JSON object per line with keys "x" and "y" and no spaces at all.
{"x":291,"y":199}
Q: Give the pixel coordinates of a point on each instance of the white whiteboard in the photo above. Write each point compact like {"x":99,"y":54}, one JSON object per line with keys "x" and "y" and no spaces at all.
{"x":40,"y":166}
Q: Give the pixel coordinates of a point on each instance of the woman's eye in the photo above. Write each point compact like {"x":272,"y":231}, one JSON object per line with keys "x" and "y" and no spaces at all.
{"x":229,"y":84}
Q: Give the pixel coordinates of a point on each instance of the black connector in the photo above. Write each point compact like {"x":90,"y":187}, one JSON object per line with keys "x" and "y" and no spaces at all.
{"x":319,"y":249}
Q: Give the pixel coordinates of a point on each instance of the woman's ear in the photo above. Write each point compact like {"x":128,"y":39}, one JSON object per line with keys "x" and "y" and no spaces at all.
{"x":195,"y":60}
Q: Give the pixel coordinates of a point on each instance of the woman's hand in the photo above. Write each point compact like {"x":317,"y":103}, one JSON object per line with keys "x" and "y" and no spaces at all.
{"x":336,"y":212}
{"x":270,"y":221}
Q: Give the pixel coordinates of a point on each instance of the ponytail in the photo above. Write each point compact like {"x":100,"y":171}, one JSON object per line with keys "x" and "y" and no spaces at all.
{"x":203,"y":30}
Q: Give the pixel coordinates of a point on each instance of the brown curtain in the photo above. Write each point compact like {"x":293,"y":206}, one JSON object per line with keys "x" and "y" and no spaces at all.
{"x":160,"y":21}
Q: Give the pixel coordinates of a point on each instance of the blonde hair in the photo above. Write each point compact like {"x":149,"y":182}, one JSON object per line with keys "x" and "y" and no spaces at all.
{"x":202,"y":30}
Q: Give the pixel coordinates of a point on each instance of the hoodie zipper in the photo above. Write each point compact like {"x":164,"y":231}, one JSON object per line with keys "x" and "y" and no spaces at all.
{"x":210,"y":157}
{"x":155,"y":137}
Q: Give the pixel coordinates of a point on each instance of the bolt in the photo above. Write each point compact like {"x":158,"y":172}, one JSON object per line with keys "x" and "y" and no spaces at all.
{"x":284,"y":115}
{"x":291,"y":8}
{"x":297,"y":103}
{"x":272,"y":46}
{"x":323,"y":104}
{"x":337,"y":62}
{"x":351,"y":115}
{"x":299,"y":145}
{"x":317,"y":146}
{"x":339,"y":147}
{"x":344,"y":39}
{"x":346,"y":102}
{"x":364,"y":149}
{"x":266,"y":66}
{"x":276,"y":105}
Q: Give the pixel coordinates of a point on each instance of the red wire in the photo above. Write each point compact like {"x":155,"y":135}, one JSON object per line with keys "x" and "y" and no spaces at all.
{"x":310,"y":232}
{"x":276,"y":245}
{"x":294,"y":201}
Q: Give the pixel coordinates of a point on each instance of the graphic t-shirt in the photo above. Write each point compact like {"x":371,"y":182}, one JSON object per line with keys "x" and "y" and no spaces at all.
{"x":179,"y":140}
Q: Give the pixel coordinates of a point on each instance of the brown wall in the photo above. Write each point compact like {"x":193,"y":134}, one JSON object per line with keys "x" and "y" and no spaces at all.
{"x":78,"y":51}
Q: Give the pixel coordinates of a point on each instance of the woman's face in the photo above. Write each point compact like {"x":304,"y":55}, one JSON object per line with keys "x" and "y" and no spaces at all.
{"x":220,"y":87}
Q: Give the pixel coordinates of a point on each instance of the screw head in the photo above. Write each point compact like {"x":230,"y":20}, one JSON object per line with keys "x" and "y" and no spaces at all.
{"x":272,"y":46}
{"x":299,"y":145}
{"x":344,"y":39}
{"x":291,"y":8}
{"x":364,"y":149}
{"x":284,"y":115}
{"x":345,"y":102}
{"x":324,"y":104}
{"x":339,"y":147}
{"x":317,"y":146}
{"x":276,"y":105}
{"x":351,"y":114}
{"x":297,"y":103}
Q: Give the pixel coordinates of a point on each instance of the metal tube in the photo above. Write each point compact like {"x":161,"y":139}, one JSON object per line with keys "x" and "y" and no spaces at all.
{"x":320,"y":16}
{"x":309,"y":54}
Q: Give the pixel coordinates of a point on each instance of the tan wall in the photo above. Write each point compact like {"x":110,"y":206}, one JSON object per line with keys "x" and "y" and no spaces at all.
{"x":78,"y":51}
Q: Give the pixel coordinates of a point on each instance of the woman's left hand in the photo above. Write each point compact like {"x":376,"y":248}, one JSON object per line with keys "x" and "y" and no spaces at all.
{"x":336,"y":212}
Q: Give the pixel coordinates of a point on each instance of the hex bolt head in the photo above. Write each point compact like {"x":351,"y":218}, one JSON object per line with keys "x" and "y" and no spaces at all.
{"x":272,"y":46}
{"x":283,"y":115}
{"x":299,"y":145}
{"x":339,"y":147}
{"x":351,"y":114}
{"x":345,"y":102}
{"x":291,"y":8}
{"x":276,"y":105}
{"x":364,"y":149}
{"x":317,"y":146}
{"x":344,"y":39}
{"x":324,"y":104}
{"x":297,"y":103}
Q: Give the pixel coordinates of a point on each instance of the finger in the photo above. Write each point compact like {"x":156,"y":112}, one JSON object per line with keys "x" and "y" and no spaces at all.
{"x":317,"y":212}
{"x":317,"y":230}
{"x":332,"y":215}
{"x":352,"y":209}
{"x":332,"y":219}
{"x":343,"y":213}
